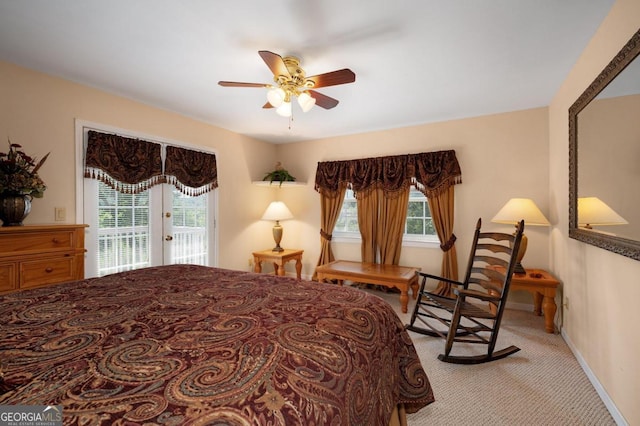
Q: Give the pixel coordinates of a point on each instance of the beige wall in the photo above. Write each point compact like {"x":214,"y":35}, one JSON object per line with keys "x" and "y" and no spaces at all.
{"x":603,"y":288}
{"x":39,"y":112}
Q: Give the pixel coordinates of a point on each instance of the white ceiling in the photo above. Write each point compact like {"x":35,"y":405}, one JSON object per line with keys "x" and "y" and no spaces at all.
{"x":416,"y":61}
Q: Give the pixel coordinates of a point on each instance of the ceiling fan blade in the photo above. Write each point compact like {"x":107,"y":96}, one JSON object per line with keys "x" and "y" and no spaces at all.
{"x":323,"y":101}
{"x":274,"y":62}
{"x":333,"y":78}
{"x":237,"y":84}
{"x":267,"y":105}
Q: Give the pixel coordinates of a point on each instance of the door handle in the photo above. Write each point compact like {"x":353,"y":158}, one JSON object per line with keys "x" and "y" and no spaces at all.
{"x":168,"y":238}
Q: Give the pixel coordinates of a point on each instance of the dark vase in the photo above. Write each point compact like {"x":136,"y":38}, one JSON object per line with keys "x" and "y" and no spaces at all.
{"x":14,"y":208}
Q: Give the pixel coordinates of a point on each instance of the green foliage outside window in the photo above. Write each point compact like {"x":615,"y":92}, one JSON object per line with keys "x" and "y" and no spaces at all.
{"x":121,"y":210}
{"x":189,"y":211}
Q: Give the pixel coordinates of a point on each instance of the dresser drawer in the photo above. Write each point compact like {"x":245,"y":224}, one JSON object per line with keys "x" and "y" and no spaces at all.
{"x":47,"y":271}
{"x":37,"y":241}
{"x":8,"y":279}
{"x":37,"y":255}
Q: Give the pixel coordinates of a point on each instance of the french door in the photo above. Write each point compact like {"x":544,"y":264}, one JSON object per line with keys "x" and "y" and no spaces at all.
{"x":156,"y":227}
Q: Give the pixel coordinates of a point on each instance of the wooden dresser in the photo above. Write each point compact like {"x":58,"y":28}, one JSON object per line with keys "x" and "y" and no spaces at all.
{"x":37,"y":255}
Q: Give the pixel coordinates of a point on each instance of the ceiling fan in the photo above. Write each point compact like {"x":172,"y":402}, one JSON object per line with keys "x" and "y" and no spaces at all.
{"x":291,"y":81}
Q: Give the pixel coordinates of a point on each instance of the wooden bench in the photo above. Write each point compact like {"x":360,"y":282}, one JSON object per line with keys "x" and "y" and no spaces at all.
{"x":400,"y":277}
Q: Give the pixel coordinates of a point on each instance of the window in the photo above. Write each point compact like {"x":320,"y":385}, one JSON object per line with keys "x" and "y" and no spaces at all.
{"x":348,"y":219}
{"x":123,"y":230}
{"x":190,"y":230}
{"x":418,"y":227}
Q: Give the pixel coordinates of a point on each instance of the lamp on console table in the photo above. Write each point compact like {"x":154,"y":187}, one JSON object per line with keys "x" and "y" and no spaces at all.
{"x":277,"y":211}
{"x":514,"y":211}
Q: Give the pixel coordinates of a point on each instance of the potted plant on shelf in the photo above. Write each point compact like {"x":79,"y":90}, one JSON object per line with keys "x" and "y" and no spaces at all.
{"x":19,"y":183}
{"x":279,"y":175}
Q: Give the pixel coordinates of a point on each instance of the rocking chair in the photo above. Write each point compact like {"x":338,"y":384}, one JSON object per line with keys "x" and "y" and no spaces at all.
{"x":475,"y":313}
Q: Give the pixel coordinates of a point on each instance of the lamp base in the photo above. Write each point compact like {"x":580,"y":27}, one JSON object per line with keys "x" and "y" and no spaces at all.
{"x":523,"y":249}
{"x":277,"y":237}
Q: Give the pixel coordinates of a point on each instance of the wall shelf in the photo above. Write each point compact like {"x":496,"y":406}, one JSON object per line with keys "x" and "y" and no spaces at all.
{"x":276,"y":184}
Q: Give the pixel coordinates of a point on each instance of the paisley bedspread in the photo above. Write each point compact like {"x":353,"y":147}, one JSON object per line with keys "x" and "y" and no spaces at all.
{"x":187,"y":344}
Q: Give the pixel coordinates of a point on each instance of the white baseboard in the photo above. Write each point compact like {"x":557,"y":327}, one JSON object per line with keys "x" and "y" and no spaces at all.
{"x":613,"y":410}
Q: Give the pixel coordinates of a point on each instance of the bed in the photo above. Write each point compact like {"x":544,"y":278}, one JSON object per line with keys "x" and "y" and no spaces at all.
{"x":186,"y":344}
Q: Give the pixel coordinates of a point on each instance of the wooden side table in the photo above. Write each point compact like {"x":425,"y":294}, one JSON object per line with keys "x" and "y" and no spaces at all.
{"x":278,"y":258}
{"x":542,"y":285}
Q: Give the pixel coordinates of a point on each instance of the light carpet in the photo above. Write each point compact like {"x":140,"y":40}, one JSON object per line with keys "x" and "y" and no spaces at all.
{"x":542,"y":384}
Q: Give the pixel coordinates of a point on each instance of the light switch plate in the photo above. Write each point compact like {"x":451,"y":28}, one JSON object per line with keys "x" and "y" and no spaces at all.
{"x":60,"y":214}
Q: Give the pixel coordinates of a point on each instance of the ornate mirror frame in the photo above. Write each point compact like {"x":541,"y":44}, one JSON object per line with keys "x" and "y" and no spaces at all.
{"x":624,"y":246}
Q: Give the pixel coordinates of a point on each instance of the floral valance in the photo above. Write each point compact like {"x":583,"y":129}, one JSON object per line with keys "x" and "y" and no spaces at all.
{"x":431,"y":172}
{"x":132,"y":165}
{"x":192,"y":172}
{"x":127,"y":165}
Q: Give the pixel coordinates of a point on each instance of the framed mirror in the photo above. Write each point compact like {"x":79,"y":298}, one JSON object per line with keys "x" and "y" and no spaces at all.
{"x":604,"y":157}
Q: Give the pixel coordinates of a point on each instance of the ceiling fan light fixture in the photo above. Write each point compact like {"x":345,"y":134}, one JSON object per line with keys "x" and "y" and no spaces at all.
{"x":276,"y":97}
{"x":290,"y":80}
{"x":305,"y":101}
{"x":284,"y":109}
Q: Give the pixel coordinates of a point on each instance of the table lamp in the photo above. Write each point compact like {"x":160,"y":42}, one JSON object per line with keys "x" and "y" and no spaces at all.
{"x":277,"y":211}
{"x":593,"y":211}
{"x":514,"y":211}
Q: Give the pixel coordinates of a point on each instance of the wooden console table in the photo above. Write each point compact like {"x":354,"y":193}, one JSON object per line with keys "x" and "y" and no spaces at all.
{"x":278,"y":258}
{"x":542,"y":285}
{"x":400,"y":277}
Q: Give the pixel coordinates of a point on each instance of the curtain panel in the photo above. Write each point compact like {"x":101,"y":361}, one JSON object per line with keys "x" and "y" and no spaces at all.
{"x":127,"y":165}
{"x":191,"y":172}
{"x":132,"y":166}
{"x":329,"y":212}
{"x":432,"y":172}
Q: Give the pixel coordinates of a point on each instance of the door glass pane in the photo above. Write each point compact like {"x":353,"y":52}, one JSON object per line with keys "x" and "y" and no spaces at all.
{"x":189,"y":229}
{"x":123,"y":230}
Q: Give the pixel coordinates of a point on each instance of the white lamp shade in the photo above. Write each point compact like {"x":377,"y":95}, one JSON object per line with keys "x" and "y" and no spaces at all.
{"x":277,"y":210}
{"x":518,"y":209}
{"x":593,"y":211}
{"x":276,"y":97}
{"x":305,"y":101}
{"x":284,"y":109}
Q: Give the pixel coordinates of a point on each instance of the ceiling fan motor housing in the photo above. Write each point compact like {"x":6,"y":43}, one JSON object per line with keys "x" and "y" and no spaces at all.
{"x":296,"y":82}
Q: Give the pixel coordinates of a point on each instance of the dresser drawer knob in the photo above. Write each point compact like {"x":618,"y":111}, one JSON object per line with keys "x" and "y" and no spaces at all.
{"x":49,"y":269}
{"x":55,"y":241}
